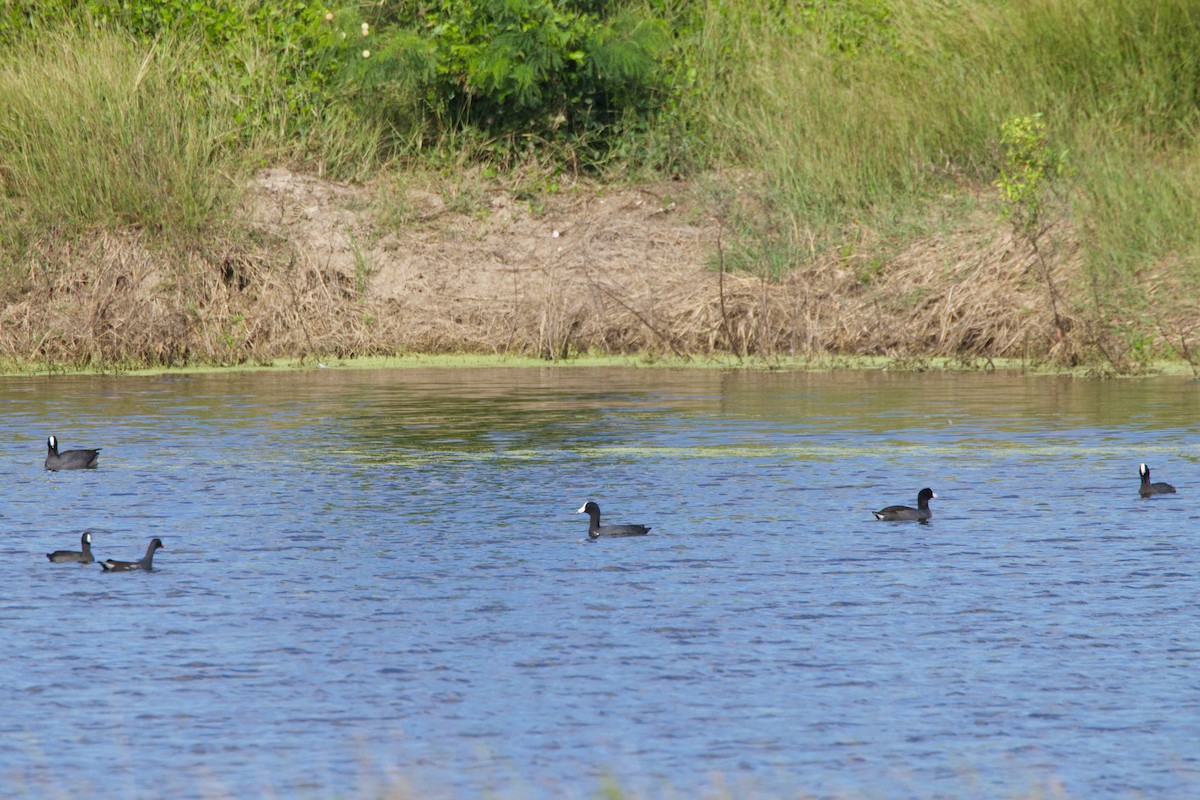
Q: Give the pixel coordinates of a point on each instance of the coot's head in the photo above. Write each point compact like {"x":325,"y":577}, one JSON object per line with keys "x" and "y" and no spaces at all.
{"x":1143,"y":470}
{"x":52,"y":443}
{"x":925,"y":495}
{"x":589,"y":508}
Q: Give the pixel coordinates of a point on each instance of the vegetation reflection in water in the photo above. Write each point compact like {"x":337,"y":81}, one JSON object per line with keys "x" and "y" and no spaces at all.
{"x":601,"y":453}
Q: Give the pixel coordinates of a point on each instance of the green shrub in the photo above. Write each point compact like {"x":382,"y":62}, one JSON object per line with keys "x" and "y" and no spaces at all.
{"x":1029,"y":177}
{"x":538,"y":68}
{"x":381,"y":74}
{"x":218,"y":21}
{"x":1030,"y":173}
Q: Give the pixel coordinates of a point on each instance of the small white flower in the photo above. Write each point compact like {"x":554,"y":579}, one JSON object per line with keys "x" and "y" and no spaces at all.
{"x":366,"y":53}
{"x":329,"y":16}
{"x":366,"y":29}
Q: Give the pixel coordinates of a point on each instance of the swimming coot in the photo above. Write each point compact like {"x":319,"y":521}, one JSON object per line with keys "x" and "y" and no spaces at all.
{"x":69,"y":459}
{"x":1148,"y":488}
{"x":73,"y":557}
{"x":147,"y":562}
{"x":900,"y":513}
{"x":596,"y":530}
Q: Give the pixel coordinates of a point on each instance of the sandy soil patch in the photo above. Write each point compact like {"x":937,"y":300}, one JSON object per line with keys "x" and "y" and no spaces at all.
{"x":634,"y":269}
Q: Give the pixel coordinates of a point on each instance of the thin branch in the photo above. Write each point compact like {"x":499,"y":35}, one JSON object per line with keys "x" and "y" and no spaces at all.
{"x":613,"y":295}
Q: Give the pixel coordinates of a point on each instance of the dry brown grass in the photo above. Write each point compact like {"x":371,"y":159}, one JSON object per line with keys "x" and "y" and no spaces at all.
{"x":626,"y":273}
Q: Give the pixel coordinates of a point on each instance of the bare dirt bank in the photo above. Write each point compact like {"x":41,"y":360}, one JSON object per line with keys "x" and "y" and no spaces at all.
{"x":587,"y":269}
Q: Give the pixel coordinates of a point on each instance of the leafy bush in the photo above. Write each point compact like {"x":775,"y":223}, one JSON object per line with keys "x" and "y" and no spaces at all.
{"x":1030,"y":171}
{"x":219,"y":21}
{"x":554,"y":70}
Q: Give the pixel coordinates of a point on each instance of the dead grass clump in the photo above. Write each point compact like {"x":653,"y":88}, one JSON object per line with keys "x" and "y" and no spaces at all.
{"x":108,"y":300}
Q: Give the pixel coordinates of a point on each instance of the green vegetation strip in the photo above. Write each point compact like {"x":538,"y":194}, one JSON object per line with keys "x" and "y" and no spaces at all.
{"x":851,"y":127}
{"x":1057,"y":449}
{"x":655,"y":362}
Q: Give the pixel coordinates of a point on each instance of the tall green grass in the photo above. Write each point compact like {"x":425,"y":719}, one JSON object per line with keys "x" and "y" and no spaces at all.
{"x":102,"y":129}
{"x":912,"y":113}
{"x":98,"y":130}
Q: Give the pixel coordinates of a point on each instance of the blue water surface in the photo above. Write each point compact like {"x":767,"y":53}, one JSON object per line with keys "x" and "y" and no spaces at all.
{"x":375,"y":585}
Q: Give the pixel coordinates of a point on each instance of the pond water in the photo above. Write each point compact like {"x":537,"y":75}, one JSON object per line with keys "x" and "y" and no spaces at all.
{"x":375,"y":583}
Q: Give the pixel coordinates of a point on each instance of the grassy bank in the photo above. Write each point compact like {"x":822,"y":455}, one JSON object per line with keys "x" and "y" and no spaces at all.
{"x":895,"y":135}
{"x":848,"y":161}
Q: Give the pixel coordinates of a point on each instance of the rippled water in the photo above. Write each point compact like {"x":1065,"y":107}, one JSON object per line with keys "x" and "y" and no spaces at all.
{"x":376,"y":580}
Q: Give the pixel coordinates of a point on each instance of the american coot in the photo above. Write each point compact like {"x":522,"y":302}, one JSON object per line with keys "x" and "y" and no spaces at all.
{"x":899,"y":513}
{"x":69,"y":459}
{"x":72,"y":557}
{"x":1149,"y":488}
{"x":147,"y":562}
{"x":596,"y":530}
